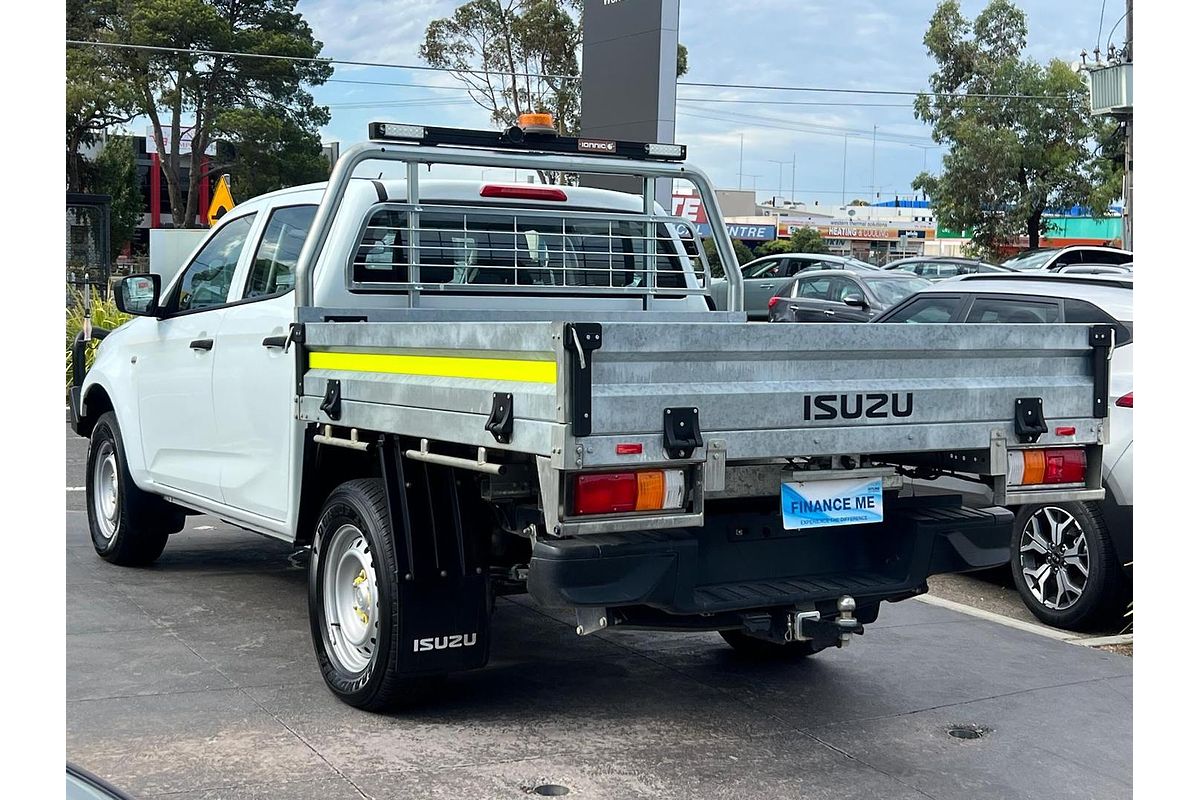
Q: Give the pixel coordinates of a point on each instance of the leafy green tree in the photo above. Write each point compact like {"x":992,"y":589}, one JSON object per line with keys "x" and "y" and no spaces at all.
{"x":807,"y":240}
{"x":115,"y":174}
{"x":97,"y":98}
{"x":714,"y":258}
{"x":267,"y":151}
{"x":175,"y":88}
{"x":773,"y":248}
{"x":858,"y":202}
{"x":501,"y":49}
{"x":1011,"y":158}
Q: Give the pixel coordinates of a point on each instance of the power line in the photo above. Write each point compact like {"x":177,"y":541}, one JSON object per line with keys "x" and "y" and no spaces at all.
{"x":1100,"y":27}
{"x":799,"y":124}
{"x":486,"y":73}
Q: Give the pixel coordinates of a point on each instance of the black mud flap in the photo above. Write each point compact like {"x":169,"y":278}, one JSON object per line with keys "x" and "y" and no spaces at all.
{"x":445,"y":606}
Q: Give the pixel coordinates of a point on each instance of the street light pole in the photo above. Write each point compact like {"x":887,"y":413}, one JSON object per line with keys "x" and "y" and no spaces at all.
{"x":793,"y":179}
{"x":741,"y":148}
{"x":780,"y":163}
{"x":845,"y":145}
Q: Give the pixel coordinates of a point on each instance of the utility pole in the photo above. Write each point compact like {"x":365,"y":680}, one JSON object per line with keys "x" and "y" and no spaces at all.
{"x":741,"y":148}
{"x":874,"y":128}
{"x":793,"y":179}
{"x":780,"y":163}
{"x":845,"y":146}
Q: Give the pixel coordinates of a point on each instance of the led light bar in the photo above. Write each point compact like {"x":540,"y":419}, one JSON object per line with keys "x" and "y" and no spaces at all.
{"x":664,"y":150}
{"x":396,"y":131}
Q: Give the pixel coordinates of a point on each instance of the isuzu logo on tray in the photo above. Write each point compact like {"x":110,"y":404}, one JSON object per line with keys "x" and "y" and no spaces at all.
{"x":875,"y":405}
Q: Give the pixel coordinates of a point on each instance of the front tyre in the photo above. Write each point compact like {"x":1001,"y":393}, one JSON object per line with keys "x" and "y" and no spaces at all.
{"x":1065,"y":566}
{"x":353,"y":600}
{"x":129,"y":527}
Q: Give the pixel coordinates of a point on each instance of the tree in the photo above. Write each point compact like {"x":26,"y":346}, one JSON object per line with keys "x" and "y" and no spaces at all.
{"x":1013,"y":154}
{"x":96,"y":96}
{"x":517,"y":56}
{"x":805,"y":240}
{"x":714,"y":258}
{"x":267,"y":152}
{"x":114,"y":173}
{"x":171,"y":86}
{"x":858,"y":202}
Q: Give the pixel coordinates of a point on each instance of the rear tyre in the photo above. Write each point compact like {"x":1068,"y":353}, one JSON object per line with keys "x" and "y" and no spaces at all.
{"x":1065,"y":566}
{"x":129,"y":527}
{"x":354,"y":601}
{"x":757,"y":649}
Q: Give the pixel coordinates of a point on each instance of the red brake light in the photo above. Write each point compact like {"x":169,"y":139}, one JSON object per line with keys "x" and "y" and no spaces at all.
{"x":1125,"y":400}
{"x":620,"y":492}
{"x":606,"y":494}
{"x":1053,"y":465}
{"x":771,"y":303}
{"x":522,"y":192}
{"x":1065,"y":466}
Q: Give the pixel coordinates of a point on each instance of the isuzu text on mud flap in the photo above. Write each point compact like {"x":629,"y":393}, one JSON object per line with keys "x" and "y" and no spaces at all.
{"x":450,"y":389}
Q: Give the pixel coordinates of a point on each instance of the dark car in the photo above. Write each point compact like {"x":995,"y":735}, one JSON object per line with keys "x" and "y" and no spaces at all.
{"x":840,"y":296}
{"x":763,"y":277}
{"x":936,"y":268}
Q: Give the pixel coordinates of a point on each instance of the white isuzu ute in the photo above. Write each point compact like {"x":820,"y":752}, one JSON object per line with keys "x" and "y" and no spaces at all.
{"x":451,"y":387}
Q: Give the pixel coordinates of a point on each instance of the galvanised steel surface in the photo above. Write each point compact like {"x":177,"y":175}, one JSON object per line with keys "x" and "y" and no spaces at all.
{"x":767,"y":390}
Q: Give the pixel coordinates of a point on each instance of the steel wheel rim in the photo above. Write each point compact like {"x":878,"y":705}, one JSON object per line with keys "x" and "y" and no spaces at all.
{"x":1054,"y":558}
{"x":106,"y":490}
{"x":351,"y":599}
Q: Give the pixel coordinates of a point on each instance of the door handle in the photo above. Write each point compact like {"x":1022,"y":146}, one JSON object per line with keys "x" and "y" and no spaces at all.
{"x":768,"y":286}
{"x":275,"y":341}
{"x":827,"y":313}
{"x":201,"y":344}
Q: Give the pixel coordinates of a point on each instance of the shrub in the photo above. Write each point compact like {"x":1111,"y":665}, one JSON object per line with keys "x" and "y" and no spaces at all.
{"x":104,"y":315}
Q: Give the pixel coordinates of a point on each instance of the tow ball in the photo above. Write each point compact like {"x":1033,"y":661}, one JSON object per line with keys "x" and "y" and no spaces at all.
{"x":809,"y":625}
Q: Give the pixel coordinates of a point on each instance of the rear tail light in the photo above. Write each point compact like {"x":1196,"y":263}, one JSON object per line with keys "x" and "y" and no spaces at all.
{"x":1039,"y":467}
{"x":622,"y":492}
{"x":1125,"y":400}
{"x":522,"y":192}
{"x":771,"y":303}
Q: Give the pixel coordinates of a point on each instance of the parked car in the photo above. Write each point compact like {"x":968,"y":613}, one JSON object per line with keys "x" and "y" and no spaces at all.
{"x":1068,"y":559}
{"x":840,"y":296}
{"x":936,"y":268}
{"x":763,"y":276}
{"x":1053,"y":259}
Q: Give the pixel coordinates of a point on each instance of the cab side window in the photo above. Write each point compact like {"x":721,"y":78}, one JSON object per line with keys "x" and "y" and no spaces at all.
{"x":207,"y":279}
{"x":273,"y":270}
{"x":813,"y":288}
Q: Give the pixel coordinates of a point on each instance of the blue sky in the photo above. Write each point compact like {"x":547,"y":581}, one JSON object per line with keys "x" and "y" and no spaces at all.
{"x":847,"y":44}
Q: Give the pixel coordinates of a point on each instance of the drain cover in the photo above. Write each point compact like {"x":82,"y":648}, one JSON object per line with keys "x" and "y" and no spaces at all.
{"x":968,"y":731}
{"x":551,"y":790}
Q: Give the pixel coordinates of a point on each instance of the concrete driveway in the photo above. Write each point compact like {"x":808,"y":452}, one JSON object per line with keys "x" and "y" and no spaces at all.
{"x":195,"y":679}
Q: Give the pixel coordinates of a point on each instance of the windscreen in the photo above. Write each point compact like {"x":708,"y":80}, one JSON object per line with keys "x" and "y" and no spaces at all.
{"x":892,"y":290}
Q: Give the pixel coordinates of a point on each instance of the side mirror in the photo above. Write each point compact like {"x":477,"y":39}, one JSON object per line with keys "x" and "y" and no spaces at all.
{"x":855,"y":300}
{"x":138,"y":295}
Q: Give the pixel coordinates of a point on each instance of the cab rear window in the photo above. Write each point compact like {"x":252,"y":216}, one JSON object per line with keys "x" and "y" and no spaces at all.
{"x":505,"y":248}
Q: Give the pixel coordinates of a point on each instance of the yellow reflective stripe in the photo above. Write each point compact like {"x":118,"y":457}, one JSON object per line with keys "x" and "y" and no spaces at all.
{"x":498,"y":369}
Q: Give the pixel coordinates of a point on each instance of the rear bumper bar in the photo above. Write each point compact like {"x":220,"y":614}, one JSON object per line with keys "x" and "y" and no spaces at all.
{"x":744,"y":560}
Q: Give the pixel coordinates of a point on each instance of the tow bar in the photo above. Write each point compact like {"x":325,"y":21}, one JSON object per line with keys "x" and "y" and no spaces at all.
{"x":809,"y":625}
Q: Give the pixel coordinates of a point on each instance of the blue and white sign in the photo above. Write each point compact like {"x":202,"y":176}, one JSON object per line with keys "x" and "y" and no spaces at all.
{"x":738,"y":230}
{"x":821,"y":504}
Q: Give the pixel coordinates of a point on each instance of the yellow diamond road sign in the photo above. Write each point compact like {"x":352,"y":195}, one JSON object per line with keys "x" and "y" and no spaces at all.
{"x":222,"y":201}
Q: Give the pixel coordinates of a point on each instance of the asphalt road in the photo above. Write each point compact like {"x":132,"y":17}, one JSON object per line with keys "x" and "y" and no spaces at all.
{"x":195,"y":679}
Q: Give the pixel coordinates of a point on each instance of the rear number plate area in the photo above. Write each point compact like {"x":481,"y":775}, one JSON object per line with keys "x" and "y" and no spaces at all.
{"x":826,"y":503}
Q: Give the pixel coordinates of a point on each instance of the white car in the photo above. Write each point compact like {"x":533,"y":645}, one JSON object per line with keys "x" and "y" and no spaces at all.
{"x":1053,"y":259}
{"x":1070,"y":561}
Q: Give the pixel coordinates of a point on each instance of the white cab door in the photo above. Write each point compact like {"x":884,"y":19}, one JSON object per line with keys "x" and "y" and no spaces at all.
{"x":174,"y":368}
{"x":254,"y":378}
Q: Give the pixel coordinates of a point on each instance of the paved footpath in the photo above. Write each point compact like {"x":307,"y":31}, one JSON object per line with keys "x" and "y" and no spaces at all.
{"x":195,"y":679}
